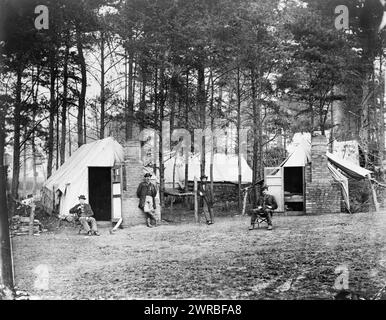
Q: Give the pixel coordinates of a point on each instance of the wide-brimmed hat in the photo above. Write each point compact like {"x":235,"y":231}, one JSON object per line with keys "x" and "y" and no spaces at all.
{"x":147,"y":175}
{"x":203,"y":177}
{"x":82,"y":197}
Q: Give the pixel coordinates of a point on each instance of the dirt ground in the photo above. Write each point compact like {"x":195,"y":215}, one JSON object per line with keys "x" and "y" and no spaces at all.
{"x":297,"y":260}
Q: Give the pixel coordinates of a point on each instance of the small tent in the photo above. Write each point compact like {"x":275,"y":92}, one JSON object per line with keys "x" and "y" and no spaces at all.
{"x":225,"y":169}
{"x":89,"y":171}
{"x":288,"y":180}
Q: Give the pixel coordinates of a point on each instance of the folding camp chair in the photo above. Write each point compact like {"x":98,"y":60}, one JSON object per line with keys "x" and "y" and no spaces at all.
{"x":261,"y":218}
{"x":76,"y":223}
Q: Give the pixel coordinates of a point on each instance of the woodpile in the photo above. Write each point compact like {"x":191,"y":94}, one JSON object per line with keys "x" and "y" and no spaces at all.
{"x":21,"y":226}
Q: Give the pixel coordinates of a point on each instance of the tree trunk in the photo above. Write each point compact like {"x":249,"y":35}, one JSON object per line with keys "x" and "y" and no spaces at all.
{"x":51,"y":116}
{"x":240,"y":200}
{"x":84,"y":125}
{"x":82,"y":97}
{"x":212,"y":134}
{"x":103,"y":97}
{"x":364,"y":125}
{"x":143,"y":98}
{"x":25,"y":163}
{"x":172,"y":120}
{"x":187,"y":127}
{"x":382,"y":116}
{"x":155,"y":117}
{"x":161,"y":150}
{"x":33,"y":141}
{"x":130,"y":102}
{"x":69,"y":134}
{"x":33,"y":146}
{"x":64,"y":106}
{"x":6,"y":269}
{"x":16,"y":138}
{"x":331,"y":147}
{"x":57,"y":144}
{"x":202,"y":107}
{"x":256,"y":144}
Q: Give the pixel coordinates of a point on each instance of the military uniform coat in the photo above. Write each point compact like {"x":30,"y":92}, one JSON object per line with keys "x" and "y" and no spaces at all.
{"x":206,"y":196}
{"x":145,"y":189}
{"x":85,"y":212}
{"x":267,"y":200}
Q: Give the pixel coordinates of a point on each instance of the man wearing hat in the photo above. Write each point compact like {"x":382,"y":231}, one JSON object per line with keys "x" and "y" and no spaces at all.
{"x":146,"y":193}
{"x":206,"y":199}
{"x":85,"y":214}
{"x":265,"y":207}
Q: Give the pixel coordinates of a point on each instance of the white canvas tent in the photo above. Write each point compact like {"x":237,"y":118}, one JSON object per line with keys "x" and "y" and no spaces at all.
{"x":339,"y":168}
{"x":72,"y":177}
{"x":300,"y":156}
{"x":225,"y":169}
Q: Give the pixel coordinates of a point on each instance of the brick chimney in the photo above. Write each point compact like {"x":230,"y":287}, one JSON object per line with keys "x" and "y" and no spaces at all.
{"x":323,"y":193}
{"x":319,"y":168}
{"x":131,"y":214}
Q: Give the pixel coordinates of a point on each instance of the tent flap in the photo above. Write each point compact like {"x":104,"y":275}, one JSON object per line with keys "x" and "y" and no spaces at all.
{"x":350,"y":169}
{"x":343,"y":181}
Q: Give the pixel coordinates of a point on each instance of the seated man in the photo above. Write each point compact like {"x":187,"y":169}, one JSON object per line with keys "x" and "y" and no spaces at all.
{"x":265,"y":207}
{"x":84,"y":212}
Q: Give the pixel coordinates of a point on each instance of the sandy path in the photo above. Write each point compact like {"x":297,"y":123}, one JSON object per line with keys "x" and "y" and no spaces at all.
{"x":297,"y":260}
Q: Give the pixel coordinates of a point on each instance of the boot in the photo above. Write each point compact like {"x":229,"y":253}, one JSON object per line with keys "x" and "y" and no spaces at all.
{"x":251,"y":227}
{"x":148,"y":223}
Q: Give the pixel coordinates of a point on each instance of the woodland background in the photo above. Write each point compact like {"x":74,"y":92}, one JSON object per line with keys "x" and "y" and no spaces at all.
{"x":114,"y":67}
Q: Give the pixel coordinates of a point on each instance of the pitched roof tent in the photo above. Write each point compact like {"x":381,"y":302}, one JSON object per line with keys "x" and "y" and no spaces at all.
{"x":302,"y":155}
{"x":225,"y":168}
{"x":72,"y":177}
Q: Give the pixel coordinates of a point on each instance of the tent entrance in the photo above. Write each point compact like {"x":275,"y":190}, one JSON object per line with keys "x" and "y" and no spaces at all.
{"x":294,"y":188}
{"x":99,"y":192}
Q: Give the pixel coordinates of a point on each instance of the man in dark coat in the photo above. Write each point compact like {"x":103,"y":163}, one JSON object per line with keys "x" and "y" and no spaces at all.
{"x":206,"y":200}
{"x":84,"y":212}
{"x":265,"y":206}
{"x":146,"y":193}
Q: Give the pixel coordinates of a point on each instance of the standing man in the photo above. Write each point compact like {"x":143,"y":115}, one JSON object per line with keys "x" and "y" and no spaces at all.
{"x":265,"y":207}
{"x":85,"y":214}
{"x":146,"y":193}
{"x":206,"y":199}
